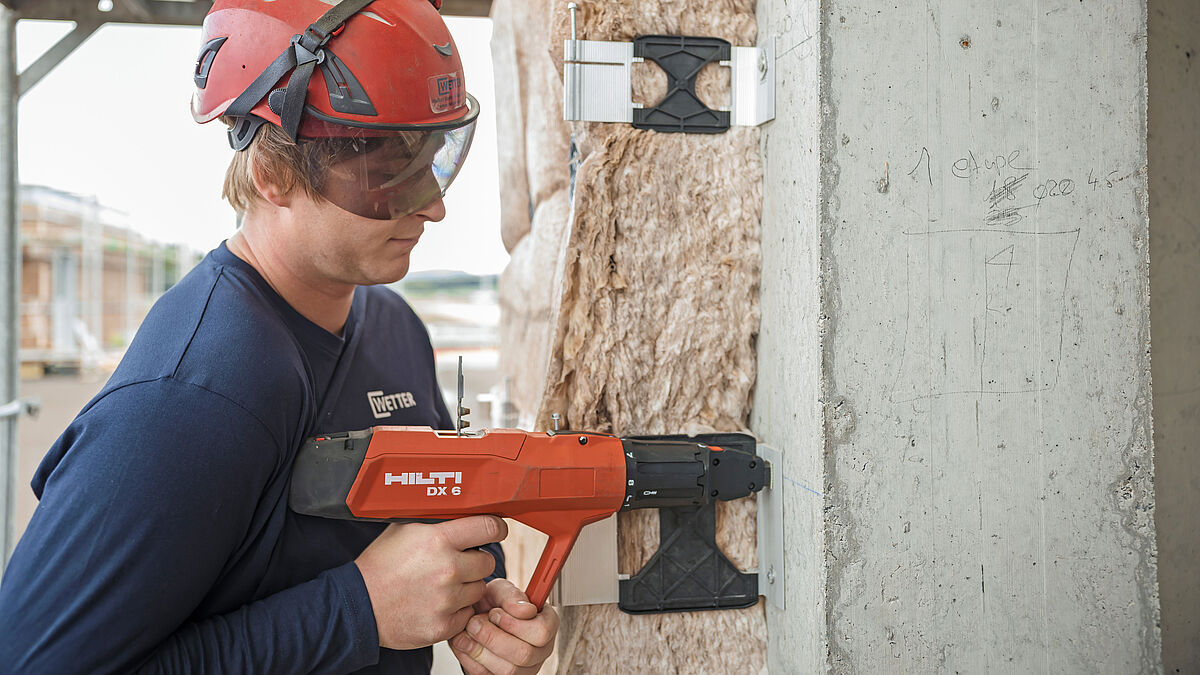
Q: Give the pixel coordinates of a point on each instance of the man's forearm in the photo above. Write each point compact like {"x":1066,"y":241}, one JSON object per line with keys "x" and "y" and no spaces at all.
{"x":321,"y":626}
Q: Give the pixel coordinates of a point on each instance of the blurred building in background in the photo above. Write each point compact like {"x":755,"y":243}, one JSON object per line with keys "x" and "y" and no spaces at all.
{"x":462,"y":313}
{"x":87,"y":280}
{"x":461,"y":310}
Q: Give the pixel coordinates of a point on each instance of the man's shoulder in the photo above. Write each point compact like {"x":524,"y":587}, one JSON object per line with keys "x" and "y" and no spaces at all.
{"x":211,"y":352}
{"x":217,"y":328}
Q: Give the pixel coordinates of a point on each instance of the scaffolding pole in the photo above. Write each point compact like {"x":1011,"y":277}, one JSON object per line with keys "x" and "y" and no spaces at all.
{"x":10,"y":279}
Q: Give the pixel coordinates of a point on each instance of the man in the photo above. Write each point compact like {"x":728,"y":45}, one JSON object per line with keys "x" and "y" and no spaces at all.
{"x":162,"y":540}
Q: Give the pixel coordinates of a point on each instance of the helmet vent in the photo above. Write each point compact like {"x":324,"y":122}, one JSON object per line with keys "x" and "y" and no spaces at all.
{"x":204,"y":62}
{"x":346,"y":93}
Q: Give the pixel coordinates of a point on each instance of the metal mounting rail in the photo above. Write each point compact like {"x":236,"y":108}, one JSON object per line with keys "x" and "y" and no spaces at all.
{"x":597,"y":82}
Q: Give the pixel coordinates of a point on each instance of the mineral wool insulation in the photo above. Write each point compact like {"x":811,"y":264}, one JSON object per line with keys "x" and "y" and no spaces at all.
{"x":631,"y":302}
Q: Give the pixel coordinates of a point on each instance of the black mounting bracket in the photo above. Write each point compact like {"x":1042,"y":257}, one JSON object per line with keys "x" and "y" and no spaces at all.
{"x":681,"y":57}
{"x":689,"y":572}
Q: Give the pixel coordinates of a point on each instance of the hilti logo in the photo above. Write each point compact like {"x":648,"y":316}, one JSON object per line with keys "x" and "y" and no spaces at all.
{"x":436,"y":482}
{"x":383,"y":405}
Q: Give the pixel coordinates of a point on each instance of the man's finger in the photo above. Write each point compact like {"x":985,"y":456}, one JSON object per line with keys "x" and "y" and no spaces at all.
{"x":469,"y":596}
{"x":466,"y":650}
{"x":458,"y":622}
{"x":502,"y":647}
{"x":503,"y":594}
{"x":539,"y":631}
{"x":472,"y":531}
{"x":473,"y":565}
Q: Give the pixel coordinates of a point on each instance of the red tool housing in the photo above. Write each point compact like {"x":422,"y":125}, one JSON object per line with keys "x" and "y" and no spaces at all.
{"x":553,"y":483}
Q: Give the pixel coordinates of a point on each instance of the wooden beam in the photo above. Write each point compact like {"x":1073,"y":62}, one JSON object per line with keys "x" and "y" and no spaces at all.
{"x":466,"y":7}
{"x":162,"y":12}
{"x":53,"y":56}
{"x":138,"y":8}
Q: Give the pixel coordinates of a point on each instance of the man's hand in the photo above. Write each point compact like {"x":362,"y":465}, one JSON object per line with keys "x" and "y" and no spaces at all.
{"x":507,"y":635}
{"x":424,"y":581}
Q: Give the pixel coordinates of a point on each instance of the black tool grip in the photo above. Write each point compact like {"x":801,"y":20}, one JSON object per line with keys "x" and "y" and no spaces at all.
{"x":325,"y":469}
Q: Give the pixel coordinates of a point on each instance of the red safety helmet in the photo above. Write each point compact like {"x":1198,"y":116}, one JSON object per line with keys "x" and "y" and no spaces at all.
{"x":386,"y":126}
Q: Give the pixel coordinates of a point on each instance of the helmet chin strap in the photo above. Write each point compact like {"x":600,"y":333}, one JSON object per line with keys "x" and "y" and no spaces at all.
{"x":300,"y":58}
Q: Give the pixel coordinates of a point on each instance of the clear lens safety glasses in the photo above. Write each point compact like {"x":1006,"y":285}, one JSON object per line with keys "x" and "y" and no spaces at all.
{"x":388,"y":175}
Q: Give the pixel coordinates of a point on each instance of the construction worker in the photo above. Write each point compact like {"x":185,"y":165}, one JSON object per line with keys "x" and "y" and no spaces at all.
{"x":163,"y":540}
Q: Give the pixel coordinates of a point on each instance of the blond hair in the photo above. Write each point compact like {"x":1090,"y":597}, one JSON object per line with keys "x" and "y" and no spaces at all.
{"x":279,"y":162}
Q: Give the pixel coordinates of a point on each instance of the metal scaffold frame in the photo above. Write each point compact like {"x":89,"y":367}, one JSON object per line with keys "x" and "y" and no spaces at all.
{"x":88,"y":17}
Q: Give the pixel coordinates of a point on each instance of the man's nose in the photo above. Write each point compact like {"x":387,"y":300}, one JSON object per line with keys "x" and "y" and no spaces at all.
{"x":434,"y":211}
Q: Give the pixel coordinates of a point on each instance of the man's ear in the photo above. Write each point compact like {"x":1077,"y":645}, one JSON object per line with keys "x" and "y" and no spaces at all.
{"x":268,"y":188}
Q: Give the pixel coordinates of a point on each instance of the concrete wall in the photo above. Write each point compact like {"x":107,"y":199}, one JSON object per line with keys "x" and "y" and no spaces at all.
{"x":954,"y":352}
{"x":787,"y":411}
{"x":1174,"y":148}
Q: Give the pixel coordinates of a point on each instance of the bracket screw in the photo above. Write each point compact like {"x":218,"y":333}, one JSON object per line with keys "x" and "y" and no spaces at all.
{"x":583,"y":440}
{"x":771,"y":574}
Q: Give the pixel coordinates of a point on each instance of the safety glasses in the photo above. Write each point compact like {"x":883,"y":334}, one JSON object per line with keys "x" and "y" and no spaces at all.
{"x":388,"y":174}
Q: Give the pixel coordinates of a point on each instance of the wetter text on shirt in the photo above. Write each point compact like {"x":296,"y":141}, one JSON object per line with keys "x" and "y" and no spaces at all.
{"x":382,"y":404}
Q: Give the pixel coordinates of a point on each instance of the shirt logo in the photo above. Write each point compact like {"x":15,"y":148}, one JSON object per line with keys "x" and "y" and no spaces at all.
{"x":382,"y":404}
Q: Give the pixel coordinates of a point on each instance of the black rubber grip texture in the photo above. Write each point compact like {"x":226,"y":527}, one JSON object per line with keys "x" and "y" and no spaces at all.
{"x":325,"y":469}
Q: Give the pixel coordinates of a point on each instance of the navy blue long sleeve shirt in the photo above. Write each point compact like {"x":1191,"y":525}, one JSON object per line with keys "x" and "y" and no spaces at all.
{"x":163,"y":541}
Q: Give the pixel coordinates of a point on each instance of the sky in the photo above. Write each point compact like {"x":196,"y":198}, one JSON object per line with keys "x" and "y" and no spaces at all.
{"x":113,"y":121}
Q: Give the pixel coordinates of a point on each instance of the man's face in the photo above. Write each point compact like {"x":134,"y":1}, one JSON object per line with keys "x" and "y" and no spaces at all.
{"x":374,"y":209}
{"x":346,"y":248}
